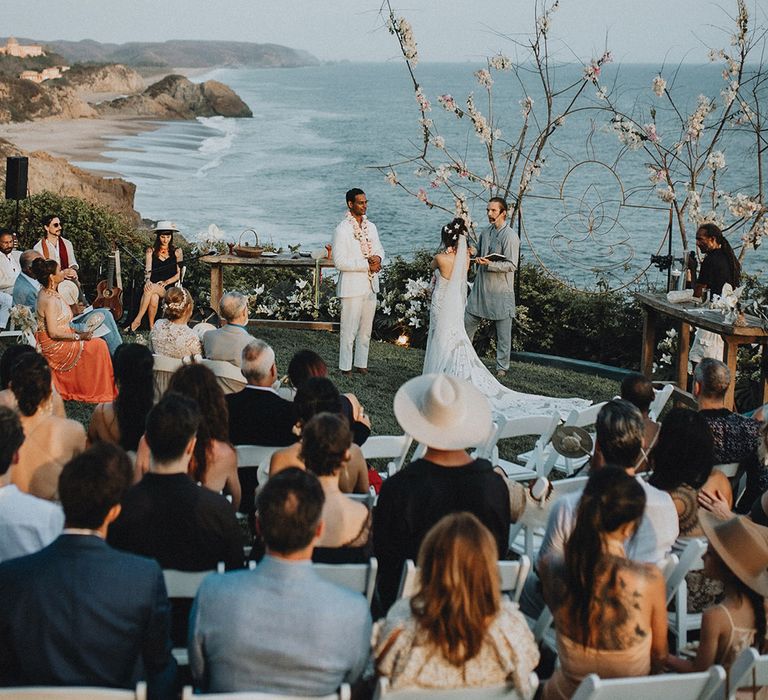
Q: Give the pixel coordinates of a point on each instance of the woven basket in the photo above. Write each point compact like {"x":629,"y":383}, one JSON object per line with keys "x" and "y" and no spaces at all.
{"x":247,"y":251}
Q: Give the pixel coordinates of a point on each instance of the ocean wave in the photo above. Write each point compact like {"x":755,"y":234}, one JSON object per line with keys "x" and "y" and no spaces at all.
{"x":215,"y":147}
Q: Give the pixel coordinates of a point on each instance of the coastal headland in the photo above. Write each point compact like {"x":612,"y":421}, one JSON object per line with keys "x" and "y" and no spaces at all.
{"x":72,"y":117}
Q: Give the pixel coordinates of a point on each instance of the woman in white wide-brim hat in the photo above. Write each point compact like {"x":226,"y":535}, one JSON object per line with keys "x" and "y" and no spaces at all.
{"x":738,"y":556}
{"x":161,"y":270}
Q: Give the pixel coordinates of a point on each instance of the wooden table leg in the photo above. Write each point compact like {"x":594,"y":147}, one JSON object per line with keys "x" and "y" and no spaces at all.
{"x":731,"y":354}
{"x":683,"y":346}
{"x":649,"y":332}
{"x":764,"y":373}
{"x":217,"y":286}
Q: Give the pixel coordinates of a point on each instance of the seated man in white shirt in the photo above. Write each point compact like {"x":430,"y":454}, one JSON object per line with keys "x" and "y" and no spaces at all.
{"x":10,"y":267}
{"x":27,"y":524}
{"x":620,"y":432}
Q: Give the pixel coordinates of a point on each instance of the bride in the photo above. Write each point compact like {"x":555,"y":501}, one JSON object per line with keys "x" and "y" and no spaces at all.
{"x":449,"y":350}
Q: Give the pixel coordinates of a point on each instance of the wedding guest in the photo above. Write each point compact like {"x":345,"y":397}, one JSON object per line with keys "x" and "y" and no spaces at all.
{"x":458,"y":631}
{"x":319,"y":395}
{"x":325,"y":444}
{"x":50,"y":442}
{"x":257,"y":415}
{"x":10,"y":267}
{"x":736,"y":436}
{"x":27,"y":524}
{"x":122,"y":421}
{"x":53,"y":246}
{"x":610,"y":612}
{"x":81,"y":365}
{"x":307,"y":363}
{"x":171,"y":336}
{"x":737,"y":556}
{"x":358,"y":256}
{"x":227,"y":343}
{"x":281,"y":628}
{"x":8,"y":359}
{"x":161,"y":270}
{"x":682,"y":462}
{"x":448,"y":415}
{"x":214,"y":460}
{"x":83,"y":613}
{"x":638,"y":390}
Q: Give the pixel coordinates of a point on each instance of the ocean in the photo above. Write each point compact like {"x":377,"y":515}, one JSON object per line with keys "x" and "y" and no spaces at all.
{"x":318,"y":131}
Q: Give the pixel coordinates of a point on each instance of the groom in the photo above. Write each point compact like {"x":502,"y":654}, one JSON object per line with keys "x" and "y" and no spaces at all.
{"x":357,"y":255}
{"x":493,"y":293}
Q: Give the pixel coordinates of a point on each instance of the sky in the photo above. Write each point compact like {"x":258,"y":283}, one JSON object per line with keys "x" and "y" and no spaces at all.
{"x":650,"y":31}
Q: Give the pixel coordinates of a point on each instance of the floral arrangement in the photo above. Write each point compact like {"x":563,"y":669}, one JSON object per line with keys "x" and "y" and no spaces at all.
{"x":668,"y":349}
{"x":728,"y":302}
{"x":24,"y":320}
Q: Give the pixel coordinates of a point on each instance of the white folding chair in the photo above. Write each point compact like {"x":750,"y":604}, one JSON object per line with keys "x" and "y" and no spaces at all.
{"x":526,"y":535}
{"x":344,"y":693}
{"x":512,"y":576}
{"x":162,"y":369}
{"x":229,"y":377}
{"x":359,"y":577}
{"x":184,"y":585}
{"x":533,"y":462}
{"x":496,"y":692}
{"x":681,"y":686}
{"x":393,"y":447}
{"x":681,"y":622}
{"x":749,"y":671}
{"x":578,"y":419}
{"x":75,"y":693}
{"x":250,"y":457}
{"x":662,"y":396}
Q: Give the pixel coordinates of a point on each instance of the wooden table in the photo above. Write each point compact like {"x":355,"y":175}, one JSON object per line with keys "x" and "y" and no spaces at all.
{"x":217,"y":263}
{"x":693,"y":314}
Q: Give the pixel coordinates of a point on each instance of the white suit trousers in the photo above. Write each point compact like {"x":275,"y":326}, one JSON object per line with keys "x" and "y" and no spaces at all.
{"x":356,"y":326}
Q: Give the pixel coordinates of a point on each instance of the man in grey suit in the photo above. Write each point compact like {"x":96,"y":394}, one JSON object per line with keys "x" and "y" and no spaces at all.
{"x":282,"y":628}
{"x":227,"y":343}
{"x":79,"y":612}
{"x":493,"y":293}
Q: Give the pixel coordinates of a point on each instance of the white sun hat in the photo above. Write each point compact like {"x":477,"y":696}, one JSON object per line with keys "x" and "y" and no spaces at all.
{"x":443,"y":412}
{"x":164,"y":225}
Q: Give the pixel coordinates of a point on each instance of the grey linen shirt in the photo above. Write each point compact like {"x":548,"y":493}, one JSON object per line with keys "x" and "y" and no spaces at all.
{"x":493,"y":293}
{"x":279,"y":629}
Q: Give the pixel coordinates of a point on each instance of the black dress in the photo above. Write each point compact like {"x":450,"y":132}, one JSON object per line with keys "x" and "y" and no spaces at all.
{"x":163,"y":269}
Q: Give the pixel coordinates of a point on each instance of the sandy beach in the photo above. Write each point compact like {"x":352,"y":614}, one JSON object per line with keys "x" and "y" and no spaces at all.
{"x":77,"y":140}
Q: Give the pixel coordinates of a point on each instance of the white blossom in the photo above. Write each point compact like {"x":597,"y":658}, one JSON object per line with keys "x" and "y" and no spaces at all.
{"x":527,"y":104}
{"x":651,"y":134}
{"x":438,"y":142}
{"x":423,"y":102}
{"x":659,"y":86}
{"x":500,"y":62}
{"x":696,"y":120}
{"x":482,"y":128}
{"x":392,"y":178}
{"x":403,"y":29}
{"x":602,"y":94}
{"x":742,"y":206}
{"x":483,"y":77}
{"x":716,"y":160}
{"x":666,"y":194}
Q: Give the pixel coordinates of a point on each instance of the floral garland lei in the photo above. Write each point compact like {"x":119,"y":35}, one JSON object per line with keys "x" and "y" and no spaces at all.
{"x":360,"y":232}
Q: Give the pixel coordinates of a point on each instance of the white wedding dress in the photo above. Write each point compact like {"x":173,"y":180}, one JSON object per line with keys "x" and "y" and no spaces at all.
{"x":449,"y":350}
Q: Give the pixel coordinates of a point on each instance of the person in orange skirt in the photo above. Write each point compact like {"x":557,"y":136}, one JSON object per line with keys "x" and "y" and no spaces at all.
{"x":81,"y":365}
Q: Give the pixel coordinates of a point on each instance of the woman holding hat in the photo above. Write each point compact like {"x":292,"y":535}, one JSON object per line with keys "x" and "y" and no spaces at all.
{"x":738,"y":556}
{"x":161,"y":270}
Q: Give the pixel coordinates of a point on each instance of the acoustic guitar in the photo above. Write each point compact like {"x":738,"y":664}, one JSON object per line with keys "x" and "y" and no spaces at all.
{"x":108,"y":294}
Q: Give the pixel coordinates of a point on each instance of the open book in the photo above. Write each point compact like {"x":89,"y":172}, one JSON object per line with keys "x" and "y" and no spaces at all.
{"x":495,"y":257}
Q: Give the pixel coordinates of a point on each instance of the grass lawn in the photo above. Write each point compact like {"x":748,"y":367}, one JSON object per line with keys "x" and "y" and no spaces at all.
{"x":391,"y":365}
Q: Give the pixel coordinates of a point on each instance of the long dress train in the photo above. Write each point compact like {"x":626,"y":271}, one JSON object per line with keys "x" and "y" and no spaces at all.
{"x":449,"y":350}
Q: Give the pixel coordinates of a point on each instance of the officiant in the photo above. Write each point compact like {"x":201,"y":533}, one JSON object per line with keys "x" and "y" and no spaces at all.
{"x":493,"y":293}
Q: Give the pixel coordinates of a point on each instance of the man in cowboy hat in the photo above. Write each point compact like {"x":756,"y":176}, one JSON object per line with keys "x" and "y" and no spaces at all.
{"x":448,"y":415}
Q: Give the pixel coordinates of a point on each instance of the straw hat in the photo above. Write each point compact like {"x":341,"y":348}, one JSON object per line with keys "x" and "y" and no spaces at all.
{"x":572,"y":442}
{"x":164,"y":225}
{"x":742,"y":545}
{"x":443,"y":412}
{"x":69,"y":291}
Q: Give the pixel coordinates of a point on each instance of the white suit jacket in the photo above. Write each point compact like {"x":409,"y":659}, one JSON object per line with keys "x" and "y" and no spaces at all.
{"x":10,"y":267}
{"x":350,"y":262}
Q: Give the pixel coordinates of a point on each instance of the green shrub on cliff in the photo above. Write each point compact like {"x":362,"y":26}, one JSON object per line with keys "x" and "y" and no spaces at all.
{"x":91,"y":228}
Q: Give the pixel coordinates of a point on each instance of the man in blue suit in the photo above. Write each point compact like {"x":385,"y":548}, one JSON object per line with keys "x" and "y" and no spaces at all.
{"x":25,"y":291}
{"x":79,"y":612}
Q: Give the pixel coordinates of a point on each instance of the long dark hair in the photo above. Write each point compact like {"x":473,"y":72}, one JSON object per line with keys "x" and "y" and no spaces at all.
{"x":135,"y":391}
{"x":611,"y":499}
{"x":197,"y":382}
{"x":684,"y":452}
{"x":171,"y":248}
{"x":711,"y":230}
{"x":449,"y":234}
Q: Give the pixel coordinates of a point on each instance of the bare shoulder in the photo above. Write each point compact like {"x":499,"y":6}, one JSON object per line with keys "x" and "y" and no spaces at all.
{"x":640,"y":573}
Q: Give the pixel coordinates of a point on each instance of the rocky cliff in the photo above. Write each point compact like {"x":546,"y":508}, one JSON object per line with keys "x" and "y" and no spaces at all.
{"x":59,"y":176}
{"x":176,"y":97}
{"x":92,"y":80}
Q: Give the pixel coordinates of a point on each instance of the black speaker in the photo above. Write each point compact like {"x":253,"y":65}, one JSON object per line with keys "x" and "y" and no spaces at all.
{"x":16,"y":171}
